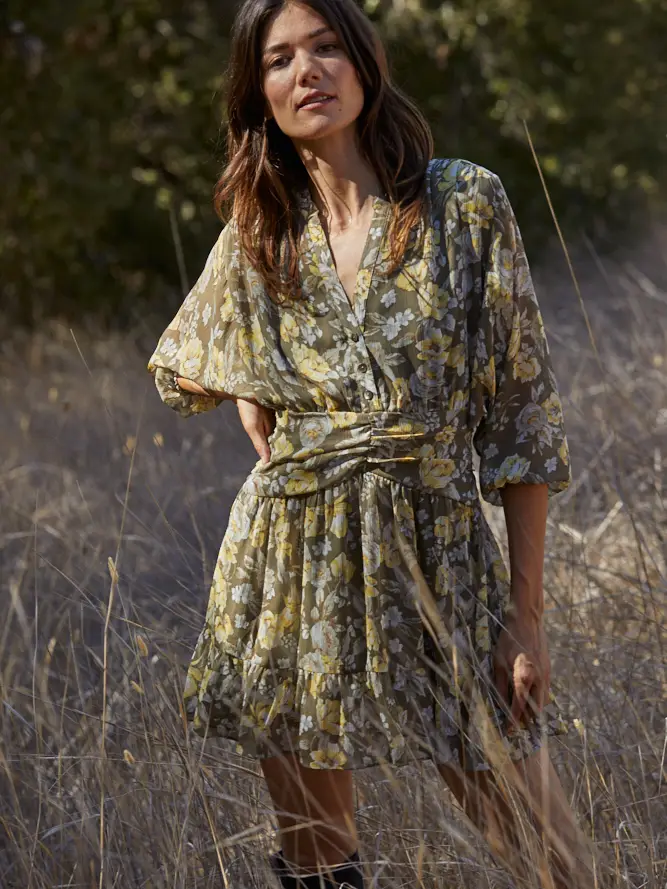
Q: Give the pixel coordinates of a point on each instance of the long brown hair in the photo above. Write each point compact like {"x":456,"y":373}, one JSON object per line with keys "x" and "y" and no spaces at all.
{"x":264,"y":172}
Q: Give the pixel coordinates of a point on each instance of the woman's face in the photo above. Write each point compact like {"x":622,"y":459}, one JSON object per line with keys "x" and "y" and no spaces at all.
{"x":311,"y":87}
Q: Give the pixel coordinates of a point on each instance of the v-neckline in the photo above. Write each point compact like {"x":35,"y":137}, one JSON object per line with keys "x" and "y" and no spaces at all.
{"x":369,"y":255}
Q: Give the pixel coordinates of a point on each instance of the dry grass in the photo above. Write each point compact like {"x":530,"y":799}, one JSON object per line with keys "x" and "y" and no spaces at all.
{"x":112,"y":514}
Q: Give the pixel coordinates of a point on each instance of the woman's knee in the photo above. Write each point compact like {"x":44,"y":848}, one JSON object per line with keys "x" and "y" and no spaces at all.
{"x":314,"y":809}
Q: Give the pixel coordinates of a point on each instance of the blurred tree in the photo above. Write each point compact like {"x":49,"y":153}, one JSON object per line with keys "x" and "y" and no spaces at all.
{"x":112,"y":127}
{"x":111,"y":116}
{"x":586,"y":77}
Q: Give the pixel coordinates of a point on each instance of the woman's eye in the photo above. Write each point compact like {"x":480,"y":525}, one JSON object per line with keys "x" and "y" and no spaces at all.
{"x":328,"y":47}
{"x":278,"y":62}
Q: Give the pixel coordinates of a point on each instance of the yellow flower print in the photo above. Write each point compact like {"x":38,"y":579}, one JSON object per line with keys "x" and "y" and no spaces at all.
{"x":289,"y":327}
{"x":444,"y":529}
{"x":267,"y":629}
{"x":228,"y":551}
{"x":372,"y":557}
{"x":328,"y":716}
{"x":500,"y":279}
{"x":434,"y":347}
{"x":257,"y":716}
{"x":436,"y":473}
{"x":458,"y":402}
{"x":189,"y":358}
{"x":413,"y":275}
{"x":526,"y":368}
{"x":301,"y":481}
{"x":238,"y":526}
{"x":463,"y":523}
{"x":401,"y":392}
{"x":404,"y":512}
{"x":317,"y":685}
{"x":563,"y":452}
{"x":283,"y":550}
{"x":371,"y":587}
{"x":514,"y":345}
{"x":372,"y":636}
{"x":191,"y":685}
{"x":223,"y":627}
{"x":310,"y":363}
{"x":554,"y":409}
{"x":391,"y":556}
{"x":321,"y":400}
{"x":330,"y":758}
{"x":281,"y":446}
{"x":195,"y":673}
{"x":456,"y":357}
{"x":337,"y":522}
{"x":487,"y":376}
{"x":258,"y":533}
{"x":316,"y":235}
{"x":342,"y":567}
{"x":250,"y":343}
{"x":287,"y":619}
{"x":214,"y":376}
{"x":363,"y":280}
{"x":226,"y":307}
{"x":477,"y":210}
{"x":310,"y":523}
{"x":446,"y":435}
{"x":379,"y":662}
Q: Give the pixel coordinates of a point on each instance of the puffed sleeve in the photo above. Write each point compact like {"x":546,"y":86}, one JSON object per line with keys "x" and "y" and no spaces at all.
{"x":520,"y":435}
{"x":197,"y":343}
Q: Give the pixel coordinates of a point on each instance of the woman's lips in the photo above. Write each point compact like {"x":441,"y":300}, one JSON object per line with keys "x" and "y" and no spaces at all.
{"x":319,"y":102}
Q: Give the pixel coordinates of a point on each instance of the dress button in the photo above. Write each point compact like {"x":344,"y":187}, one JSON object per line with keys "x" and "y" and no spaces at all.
{"x":363,"y":368}
{"x":355,"y":337}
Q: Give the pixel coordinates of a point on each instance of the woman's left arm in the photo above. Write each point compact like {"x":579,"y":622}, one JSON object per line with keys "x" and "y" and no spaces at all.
{"x":522,"y":657}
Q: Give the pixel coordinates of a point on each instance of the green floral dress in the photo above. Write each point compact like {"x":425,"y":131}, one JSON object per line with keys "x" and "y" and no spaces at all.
{"x":314,"y":641}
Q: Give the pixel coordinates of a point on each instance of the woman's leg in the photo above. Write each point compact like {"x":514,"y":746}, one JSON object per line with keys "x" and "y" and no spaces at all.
{"x":495,"y":807}
{"x":315,"y":811}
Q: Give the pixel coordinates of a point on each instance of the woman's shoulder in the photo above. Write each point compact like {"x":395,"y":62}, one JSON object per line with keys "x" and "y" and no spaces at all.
{"x":457,"y":176}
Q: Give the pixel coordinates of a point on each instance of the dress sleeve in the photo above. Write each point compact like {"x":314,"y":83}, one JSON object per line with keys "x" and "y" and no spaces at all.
{"x":520,"y":436}
{"x":197,"y":343}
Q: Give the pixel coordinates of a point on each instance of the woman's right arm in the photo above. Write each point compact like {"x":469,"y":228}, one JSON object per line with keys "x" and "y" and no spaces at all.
{"x":257,"y":420}
{"x":196,"y":389}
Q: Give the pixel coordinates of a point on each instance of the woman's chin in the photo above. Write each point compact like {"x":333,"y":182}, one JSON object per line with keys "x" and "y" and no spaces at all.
{"x":319,"y":130}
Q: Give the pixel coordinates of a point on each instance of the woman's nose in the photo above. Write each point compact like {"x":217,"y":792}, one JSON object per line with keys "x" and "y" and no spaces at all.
{"x":307,"y":68}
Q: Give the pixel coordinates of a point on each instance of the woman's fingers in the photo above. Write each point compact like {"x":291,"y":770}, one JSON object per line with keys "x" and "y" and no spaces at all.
{"x":527,"y":689}
{"x":258,"y":438}
{"x":257,"y":422}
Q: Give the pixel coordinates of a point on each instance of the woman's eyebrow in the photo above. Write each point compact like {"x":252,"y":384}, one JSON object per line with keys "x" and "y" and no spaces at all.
{"x":276,"y":47}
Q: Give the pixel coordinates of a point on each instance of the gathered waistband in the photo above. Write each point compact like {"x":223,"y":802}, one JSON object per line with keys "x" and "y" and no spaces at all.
{"x":311,"y":451}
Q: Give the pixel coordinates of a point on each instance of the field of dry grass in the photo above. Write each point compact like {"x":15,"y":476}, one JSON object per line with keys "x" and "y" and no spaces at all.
{"x":112,"y":513}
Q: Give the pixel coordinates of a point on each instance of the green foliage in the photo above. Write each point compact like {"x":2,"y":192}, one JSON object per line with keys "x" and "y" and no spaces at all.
{"x":112,"y":125}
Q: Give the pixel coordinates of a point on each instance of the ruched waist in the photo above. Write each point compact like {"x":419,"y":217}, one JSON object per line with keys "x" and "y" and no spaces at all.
{"x":311,"y":451}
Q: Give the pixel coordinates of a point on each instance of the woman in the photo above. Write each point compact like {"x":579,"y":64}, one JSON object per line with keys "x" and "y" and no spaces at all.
{"x":371,"y":313}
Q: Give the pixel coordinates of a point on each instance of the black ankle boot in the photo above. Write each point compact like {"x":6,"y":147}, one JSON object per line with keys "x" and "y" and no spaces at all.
{"x":348,"y":875}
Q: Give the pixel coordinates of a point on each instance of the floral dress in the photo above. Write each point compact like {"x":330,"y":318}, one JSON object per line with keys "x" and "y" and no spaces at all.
{"x":314,"y":640}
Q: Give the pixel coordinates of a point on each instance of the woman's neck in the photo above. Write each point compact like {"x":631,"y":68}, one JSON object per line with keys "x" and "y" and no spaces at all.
{"x":342,"y":181}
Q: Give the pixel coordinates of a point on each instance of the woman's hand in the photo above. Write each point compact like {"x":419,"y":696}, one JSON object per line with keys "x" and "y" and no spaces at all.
{"x":259,"y":422}
{"x":521,"y":663}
